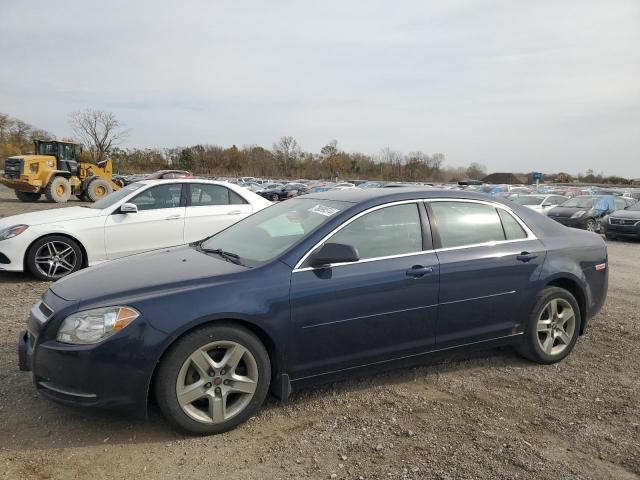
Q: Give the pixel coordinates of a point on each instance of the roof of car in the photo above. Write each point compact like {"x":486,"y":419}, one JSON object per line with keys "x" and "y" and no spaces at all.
{"x":155,"y":181}
{"x":357,"y":195}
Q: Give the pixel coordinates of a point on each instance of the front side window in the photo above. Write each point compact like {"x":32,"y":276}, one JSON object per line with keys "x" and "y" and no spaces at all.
{"x":385,"y":232}
{"x":160,"y":196}
{"x":203,"y":194}
{"x":463,"y":223}
{"x":116,"y":196}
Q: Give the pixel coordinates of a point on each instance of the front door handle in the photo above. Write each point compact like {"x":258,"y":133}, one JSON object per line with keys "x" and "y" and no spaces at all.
{"x":418,"y":271}
{"x":234,"y":212}
{"x":526,"y":257}
{"x":173,"y":217}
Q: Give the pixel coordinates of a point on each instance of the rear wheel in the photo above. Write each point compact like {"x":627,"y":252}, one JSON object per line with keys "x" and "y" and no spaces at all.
{"x":553,"y":327}
{"x":58,"y":190}
{"x":213,"y":379}
{"x":97,"y":189}
{"x":54,"y":256}
{"x":27,"y":196}
{"x":275,"y":197}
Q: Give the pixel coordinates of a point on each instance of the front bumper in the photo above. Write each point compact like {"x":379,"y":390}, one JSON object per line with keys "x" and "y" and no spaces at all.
{"x":622,"y":230}
{"x":571,"y":222}
{"x":13,"y":250}
{"x":21,"y":184}
{"x":114,"y":373}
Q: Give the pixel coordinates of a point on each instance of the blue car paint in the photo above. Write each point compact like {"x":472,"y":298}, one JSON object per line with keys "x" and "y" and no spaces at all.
{"x":314,"y":323}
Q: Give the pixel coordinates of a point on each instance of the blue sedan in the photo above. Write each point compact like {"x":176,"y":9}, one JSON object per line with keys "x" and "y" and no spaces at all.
{"x":313,"y":289}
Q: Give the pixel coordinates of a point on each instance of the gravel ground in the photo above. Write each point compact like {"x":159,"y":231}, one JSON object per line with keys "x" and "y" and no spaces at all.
{"x":480,"y":415}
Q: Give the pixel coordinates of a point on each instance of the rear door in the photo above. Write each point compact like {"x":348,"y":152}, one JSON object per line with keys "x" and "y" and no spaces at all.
{"x":212,"y":208}
{"x":488,"y":261}
{"x":158,"y":223}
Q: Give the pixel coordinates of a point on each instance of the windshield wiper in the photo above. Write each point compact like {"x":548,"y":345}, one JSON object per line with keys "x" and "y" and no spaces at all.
{"x":230,"y":256}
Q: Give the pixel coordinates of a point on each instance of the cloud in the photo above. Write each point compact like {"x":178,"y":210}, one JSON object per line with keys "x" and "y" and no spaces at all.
{"x":514,"y":85}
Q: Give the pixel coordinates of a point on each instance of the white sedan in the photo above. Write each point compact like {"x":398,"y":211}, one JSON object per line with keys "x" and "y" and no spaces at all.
{"x":139,"y":217}
{"x":540,"y":202}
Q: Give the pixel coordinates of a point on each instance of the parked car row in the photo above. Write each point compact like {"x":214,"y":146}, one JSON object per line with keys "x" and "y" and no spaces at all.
{"x":308,"y":290}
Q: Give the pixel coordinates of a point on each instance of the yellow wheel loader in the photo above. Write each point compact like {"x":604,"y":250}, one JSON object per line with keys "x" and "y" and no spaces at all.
{"x":54,"y":171}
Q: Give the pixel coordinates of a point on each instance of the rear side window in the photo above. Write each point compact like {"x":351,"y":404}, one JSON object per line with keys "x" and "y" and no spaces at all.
{"x":208,"y":194}
{"x":512,"y":229}
{"x":385,"y":232}
{"x":462,"y":224}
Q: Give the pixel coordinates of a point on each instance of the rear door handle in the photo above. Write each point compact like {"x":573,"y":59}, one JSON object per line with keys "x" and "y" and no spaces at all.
{"x":526,"y":257}
{"x":234,"y":212}
{"x":173,"y":217}
{"x":418,"y":271}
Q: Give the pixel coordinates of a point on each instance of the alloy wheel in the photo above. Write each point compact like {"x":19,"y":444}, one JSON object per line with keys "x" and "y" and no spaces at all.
{"x":217,"y":382}
{"x":55,"y":259}
{"x":591,"y":226}
{"x":556,"y":326}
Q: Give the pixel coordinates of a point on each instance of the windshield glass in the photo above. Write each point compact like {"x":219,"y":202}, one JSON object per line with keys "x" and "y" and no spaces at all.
{"x":526,"y":200}
{"x":116,"y":196}
{"x":266,"y":234}
{"x":580,"y":202}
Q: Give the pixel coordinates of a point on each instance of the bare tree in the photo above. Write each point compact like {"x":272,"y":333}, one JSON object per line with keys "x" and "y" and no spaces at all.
{"x":99,"y":131}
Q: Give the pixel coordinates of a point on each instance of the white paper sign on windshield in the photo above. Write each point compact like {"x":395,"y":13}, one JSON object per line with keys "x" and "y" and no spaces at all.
{"x":323,"y":210}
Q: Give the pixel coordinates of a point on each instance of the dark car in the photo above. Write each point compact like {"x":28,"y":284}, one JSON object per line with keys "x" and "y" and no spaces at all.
{"x":310,"y":290}
{"x":623,"y":223}
{"x":585,"y":211}
{"x":284,"y":192}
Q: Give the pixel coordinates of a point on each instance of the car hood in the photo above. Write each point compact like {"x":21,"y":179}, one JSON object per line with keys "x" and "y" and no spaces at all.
{"x":152,"y":272}
{"x":565,"y":211}
{"x":633,"y":214}
{"x":52,"y":216}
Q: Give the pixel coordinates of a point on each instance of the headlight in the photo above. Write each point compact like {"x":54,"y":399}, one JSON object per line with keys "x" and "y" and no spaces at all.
{"x":93,"y":326}
{"x":578,"y":214}
{"x":13,"y":231}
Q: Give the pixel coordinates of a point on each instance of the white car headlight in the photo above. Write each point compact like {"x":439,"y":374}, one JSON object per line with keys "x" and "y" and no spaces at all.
{"x":12,"y":231}
{"x":93,"y":326}
{"x":578,"y":214}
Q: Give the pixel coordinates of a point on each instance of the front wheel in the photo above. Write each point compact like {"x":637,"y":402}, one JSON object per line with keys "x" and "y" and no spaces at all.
{"x":591,"y":225}
{"x":54,"y":256}
{"x":553,"y":327}
{"x":275,"y":197}
{"x":213,"y":379}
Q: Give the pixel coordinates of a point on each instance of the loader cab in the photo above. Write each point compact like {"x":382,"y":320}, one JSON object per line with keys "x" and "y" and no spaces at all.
{"x":64,"y":152}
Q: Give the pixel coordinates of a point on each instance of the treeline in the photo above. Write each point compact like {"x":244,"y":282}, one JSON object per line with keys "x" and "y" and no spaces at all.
{"x":287,"y":160}
{"x":284,"y":160}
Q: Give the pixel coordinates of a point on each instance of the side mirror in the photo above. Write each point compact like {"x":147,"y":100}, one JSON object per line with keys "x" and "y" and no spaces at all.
{"x":333,"y":253}
{"x":547,"y":204}
{"x":128,"y":208}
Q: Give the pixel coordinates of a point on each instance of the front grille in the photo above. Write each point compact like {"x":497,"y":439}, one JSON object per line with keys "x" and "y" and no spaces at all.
{"x":629,"y":222}
{"x":13,"y":167}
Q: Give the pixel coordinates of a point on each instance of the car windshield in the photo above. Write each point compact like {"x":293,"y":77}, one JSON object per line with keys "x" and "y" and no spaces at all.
{"x":526,"y":200}
{"x":580,"y":202}
{"x":116,"y":196}
{"x":264,"y":235}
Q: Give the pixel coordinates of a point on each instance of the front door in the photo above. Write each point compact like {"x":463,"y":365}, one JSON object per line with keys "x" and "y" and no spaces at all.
{"x":381,"y":307}
{"x":158,"y":223}
{"x":487,"y":263}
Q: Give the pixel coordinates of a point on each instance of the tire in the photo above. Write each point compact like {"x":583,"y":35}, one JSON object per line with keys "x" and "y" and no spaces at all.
{"x":58,"y":190}
{"x":27,"y":196}
{"x":97,"y":189}
{"x":68,"y":252}
{"x":535,"y":346}
{"x":591,"y":225}
{"x":201,"y":416}
{"x":274,"y":197}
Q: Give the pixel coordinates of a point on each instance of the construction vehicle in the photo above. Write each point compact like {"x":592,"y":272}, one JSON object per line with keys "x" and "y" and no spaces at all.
{"x":55,"y":172}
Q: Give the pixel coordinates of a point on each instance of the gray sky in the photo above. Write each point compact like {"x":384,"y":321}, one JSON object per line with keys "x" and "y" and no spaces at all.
{"x":516,"y":85}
